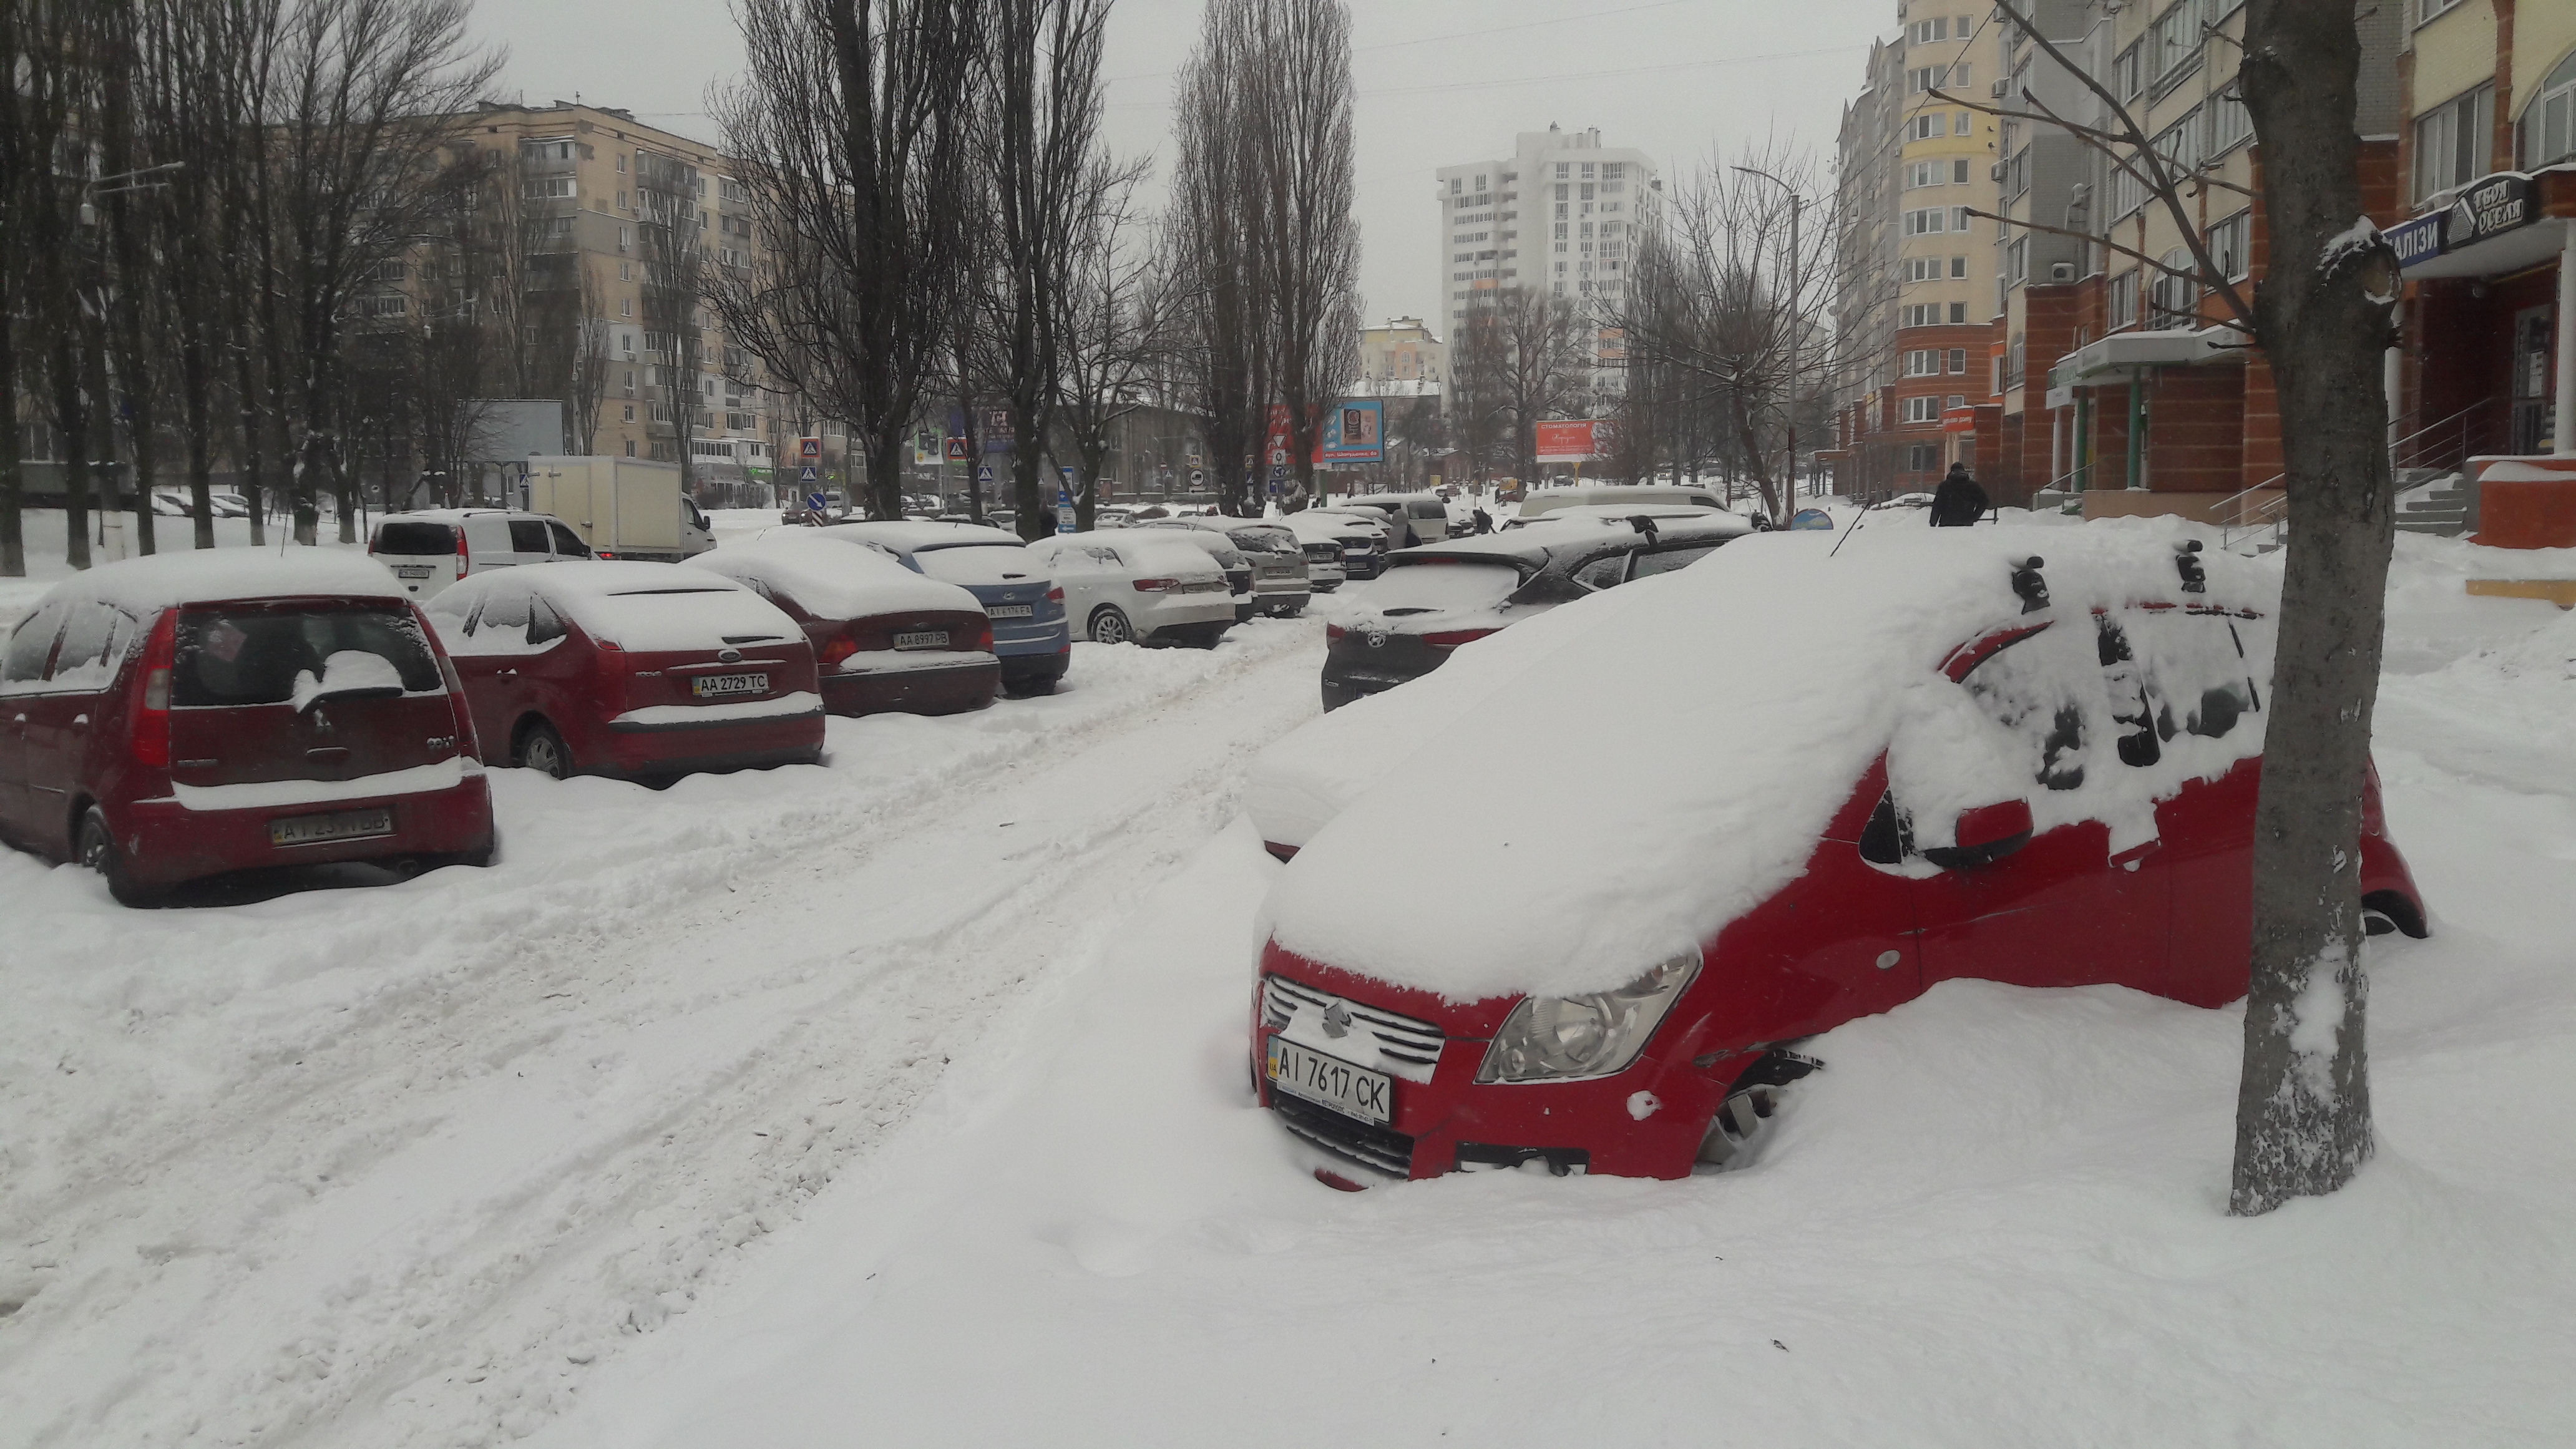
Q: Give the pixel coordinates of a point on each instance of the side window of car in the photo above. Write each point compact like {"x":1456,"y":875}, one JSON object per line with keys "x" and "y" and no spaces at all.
{"x":2133,"y":711}
{"x":33,"y":643}
{"x":1602,"y":573}
{"x":2193,"y":670}
{"x":545,"y":626}
{"x":527,"y":535}
{"x":568,"y":544}
{"x":92,"y":647}
{"x":2019,"y":687}
{"x":505,"y":611}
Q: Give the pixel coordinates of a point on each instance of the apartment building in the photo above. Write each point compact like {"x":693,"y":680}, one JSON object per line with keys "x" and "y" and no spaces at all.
{"x":1563,"y":214}
{"x":1400,"y":350}
{"x":593,"y":231}
{"x":2488,"y":93}
{"x":1918,"y":186}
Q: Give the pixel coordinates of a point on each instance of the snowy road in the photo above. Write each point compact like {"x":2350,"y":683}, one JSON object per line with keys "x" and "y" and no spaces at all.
{"x":400,"y":1157}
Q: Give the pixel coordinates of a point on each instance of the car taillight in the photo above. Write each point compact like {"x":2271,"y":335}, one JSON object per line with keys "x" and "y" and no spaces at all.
{"x":1154,"y":586}
{"x":1055,"y":595}
{"x":1452,"y":638}
{"x":462,"y":713}
{"x":1336,"y":631}
{"x":460,"y":553}
{"x":981,"y":641}
{"x":839,"y":649}
{"x":152,"y":694}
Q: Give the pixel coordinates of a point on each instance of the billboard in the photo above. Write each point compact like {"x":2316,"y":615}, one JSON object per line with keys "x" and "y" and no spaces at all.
{"x":1569,"y":442}
{"x":1354,"y":432}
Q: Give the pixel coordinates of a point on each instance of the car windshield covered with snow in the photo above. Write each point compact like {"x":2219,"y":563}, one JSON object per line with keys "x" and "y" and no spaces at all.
{"x":1958,"y":757}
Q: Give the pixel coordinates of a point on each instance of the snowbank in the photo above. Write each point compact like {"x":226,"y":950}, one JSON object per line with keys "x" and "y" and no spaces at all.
{"x":830,"y":579}
{"x":1773,"y":673}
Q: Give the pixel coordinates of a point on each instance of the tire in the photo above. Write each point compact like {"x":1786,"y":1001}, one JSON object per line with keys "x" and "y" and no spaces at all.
{"x":98,"y":852}
{"x":542,"y":749}
{"x":1108,"y":626}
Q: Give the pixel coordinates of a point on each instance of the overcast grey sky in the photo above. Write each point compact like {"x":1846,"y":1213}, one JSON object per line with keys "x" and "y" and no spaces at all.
{"x":1440,"y":82}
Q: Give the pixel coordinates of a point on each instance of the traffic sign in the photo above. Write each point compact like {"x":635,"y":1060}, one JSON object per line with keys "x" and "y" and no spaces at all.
{"x":809,"y":474}
{"x":1278,"y":456}
{"x":1194,"y":460}
{"x":1278,"y":472}
{"x":1197,"y":477}
{"x":957,"y":450}
{"x":816,"y":502}
{"x":809,"y":450}
{"x":1063,"y":510}
{"x":984,"y":474}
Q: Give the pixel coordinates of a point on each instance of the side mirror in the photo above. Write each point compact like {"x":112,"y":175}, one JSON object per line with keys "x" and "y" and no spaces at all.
{"x":1986,"y":834}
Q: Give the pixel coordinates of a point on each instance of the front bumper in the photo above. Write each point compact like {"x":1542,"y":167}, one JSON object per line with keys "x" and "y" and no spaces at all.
{"x":166,"y":843}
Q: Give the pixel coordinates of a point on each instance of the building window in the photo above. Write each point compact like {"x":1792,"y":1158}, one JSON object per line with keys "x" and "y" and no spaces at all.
{"x":1923,"y":362}
{"x":2176,"y":299}
{"x":2227,"y":245}
{"x":1924,"y":409}
{"x":2128,"y":190}
{"x":2179,"y":145}
{"x":1958,"y":312}
{"x":2125,"y":74}
{"x":2451,"y":142}
{"x":1959,"y":173}
{"x":2124,"y":301}
{"x":2230,"y":123}
{"x":390,"y":305}
{"x":2425,"y":10}
{"x":1924,"y":222}
{"x":1927,"y":31}
{"x":630,"y":412}
{"x":1958,"y":266}
{"x":1959,"y":219}
{"x":545,"y":188}
{"x":2177,"y":38}
{"x":1922,"y":457}
{"x":2017,"y":261}
{"x":2549,"y":123}
{"x":1925,"y":127}
{"x":1927,"y":173}
{"x":1959,"y":360}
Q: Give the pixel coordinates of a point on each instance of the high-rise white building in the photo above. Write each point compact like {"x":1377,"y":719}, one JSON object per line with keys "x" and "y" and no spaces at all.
{"x":1562,"y":214}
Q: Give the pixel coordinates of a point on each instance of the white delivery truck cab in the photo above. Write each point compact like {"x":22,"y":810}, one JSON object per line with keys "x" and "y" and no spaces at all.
{"x":621,"y":507}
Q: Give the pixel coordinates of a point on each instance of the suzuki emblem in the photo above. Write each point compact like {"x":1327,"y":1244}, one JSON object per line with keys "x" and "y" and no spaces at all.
{"x":1337,"y":1021}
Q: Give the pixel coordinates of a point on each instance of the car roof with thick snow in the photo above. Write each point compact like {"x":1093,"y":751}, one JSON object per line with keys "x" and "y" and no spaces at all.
{"x":1669,"y":519}
{"x":640,"y":606}
{"x":924,"y":534}
{"x":1140,"y":548}
{"x":828,"y":577}
{"x":217,"y":575}
{"x":1541,"y":501}
{"x":1564,"y":881}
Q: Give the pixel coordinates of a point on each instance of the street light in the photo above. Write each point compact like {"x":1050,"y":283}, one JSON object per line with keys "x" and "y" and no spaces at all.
{"x":1797,"y":338}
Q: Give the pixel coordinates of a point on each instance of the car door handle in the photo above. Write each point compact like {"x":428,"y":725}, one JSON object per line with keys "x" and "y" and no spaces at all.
{"x":328,"y":754}
{"x":508,"y":674}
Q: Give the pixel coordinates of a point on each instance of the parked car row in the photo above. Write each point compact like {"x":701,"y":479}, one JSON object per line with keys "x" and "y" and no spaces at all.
{"x":197,"y":713}
{"x":1937,"y":755}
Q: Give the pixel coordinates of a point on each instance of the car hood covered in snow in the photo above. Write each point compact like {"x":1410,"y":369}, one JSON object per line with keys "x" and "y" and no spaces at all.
{"x":1771,"y":675}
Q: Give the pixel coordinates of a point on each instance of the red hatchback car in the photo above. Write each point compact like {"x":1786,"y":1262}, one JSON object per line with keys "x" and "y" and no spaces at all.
{"x":642,"y":670}
{"x":1949,"y":760}
{"x":885,"y":638}
{"x":186,"y":715}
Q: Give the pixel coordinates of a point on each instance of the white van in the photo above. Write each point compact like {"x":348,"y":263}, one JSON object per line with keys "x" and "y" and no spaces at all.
{"x":1542,"y":501}
{"x":435,"y":547}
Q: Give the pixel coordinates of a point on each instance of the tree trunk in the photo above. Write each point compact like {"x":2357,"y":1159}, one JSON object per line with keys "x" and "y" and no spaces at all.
{"x":13,"y":521}
{"x":71,"y":428}
{"x":2303,"y":1125}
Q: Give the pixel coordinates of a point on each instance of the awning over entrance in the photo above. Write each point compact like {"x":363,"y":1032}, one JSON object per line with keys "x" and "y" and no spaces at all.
{"x":2123,"y":354}
{"x":2488,"y":230}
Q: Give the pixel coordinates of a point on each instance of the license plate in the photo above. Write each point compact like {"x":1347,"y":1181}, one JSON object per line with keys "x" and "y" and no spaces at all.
{"x":1349,"y":1090}
{"x":1011,"y":611}
{"x":412,"y":571}
{"x":339,"y":825}
{"x":725,"y":686}
{"x":925,"y":639}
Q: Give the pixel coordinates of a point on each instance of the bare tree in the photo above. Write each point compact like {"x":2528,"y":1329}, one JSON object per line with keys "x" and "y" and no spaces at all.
{"x":23,"y":130}
{"x":1307,"y":223}
{"x":1543,"y":350}
{"x":2323,"y":318}
{"x":1110,"y":322}
{"x":1220,"y":348}
{"x":852,"y":137}
{"x":1478,"y":363}
{"x":667,"y":238}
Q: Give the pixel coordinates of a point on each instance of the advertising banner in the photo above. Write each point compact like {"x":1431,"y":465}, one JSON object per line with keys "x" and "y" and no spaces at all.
{"x":1354,"y":432}
{"x":1569,"y":442}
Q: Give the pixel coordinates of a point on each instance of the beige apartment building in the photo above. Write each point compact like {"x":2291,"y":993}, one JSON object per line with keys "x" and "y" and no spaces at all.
{"x":576,"y":227}
{"x":1400,"y":350}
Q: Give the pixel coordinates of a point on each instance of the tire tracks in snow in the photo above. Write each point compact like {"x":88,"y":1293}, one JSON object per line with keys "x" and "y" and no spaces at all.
{"x":286,"y":1287}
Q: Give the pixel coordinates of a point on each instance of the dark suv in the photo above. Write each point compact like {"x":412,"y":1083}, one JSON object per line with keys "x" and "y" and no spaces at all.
{"x":1434,"y":598}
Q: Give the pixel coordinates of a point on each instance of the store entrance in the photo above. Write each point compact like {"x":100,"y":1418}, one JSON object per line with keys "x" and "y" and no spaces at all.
{"x":2532,"y":389}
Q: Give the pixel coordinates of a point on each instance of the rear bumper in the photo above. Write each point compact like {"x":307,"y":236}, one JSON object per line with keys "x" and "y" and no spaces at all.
{"x":720,"y":745}
{"x":166,"y":843}
{"x":1342,"y":683}
{"x":1182,"y":612}
{"x":913,"y":691}
{"x":1025,"y":669}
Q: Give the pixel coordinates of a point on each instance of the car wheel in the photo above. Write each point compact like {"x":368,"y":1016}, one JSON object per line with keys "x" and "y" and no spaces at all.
{"x":541,"y":749}
{"x":98,"y":852}
{"x":1108,"y":626}
{"x":1743,"y":1120}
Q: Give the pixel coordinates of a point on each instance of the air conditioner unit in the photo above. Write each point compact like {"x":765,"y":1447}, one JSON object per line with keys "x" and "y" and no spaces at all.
{"x":2061,"y":271}
{"x":1996,"y":171}
{"x":2002,"y":88}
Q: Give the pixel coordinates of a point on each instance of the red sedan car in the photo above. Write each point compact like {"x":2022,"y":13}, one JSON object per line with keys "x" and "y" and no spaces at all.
{"x":641,"y":670}
{"x":185,"y":715}
{"x":1947,"y":760}
{"x":885,"y":638}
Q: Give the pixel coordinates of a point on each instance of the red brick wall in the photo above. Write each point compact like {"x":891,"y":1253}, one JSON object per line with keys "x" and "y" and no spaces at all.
{"x":2261,"y":462}
{"x":2195,"y":429}
{"x":2110,"y":436}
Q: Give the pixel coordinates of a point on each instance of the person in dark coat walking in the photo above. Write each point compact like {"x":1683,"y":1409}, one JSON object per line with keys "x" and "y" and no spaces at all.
{"x":1958,"y":502}
{"x":1484,"y":520}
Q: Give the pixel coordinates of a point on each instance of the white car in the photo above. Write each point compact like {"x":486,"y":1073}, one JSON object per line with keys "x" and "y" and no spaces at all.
{"x":167,"y":503}
{"x":1139,"y":586}
{"x":1544,"y":501}
{"x":431,"y":549}
{"x":1361,"y":535}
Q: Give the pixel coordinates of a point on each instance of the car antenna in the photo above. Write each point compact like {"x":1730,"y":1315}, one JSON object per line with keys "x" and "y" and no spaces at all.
{"x":1847,"y":531}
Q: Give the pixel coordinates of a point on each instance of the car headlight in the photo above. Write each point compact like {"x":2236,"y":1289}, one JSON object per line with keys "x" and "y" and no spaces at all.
{"x":1566,"y":1038}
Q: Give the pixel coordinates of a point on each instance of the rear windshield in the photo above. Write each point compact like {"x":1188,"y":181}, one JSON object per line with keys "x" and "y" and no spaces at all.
{"x":254,"y":656}
{"x":415,"y":538}
{"x":1446,"y":584}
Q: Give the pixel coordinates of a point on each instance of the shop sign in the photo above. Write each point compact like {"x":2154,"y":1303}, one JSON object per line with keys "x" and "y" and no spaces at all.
{"x":1959,"y":420}
{"x":2418,"y":240}
{"x":2497,"y":204}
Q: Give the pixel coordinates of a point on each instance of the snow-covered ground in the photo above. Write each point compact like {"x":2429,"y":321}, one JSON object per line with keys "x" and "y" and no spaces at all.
{"x":905,"y":1100}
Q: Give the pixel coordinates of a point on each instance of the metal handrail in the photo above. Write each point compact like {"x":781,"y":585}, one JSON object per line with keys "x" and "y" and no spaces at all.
{"x":2396,"y":450}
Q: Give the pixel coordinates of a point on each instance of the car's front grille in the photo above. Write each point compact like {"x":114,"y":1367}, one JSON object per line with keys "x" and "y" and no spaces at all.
{"x":1364,"y":1036}
{"x":1344,"y":1137}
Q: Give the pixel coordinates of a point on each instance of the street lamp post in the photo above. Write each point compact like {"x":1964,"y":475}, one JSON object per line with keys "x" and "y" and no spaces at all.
{"x":1798,"y":321}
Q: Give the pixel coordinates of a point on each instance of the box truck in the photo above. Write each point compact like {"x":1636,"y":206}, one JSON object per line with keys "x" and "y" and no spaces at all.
{"x":621,"y":507}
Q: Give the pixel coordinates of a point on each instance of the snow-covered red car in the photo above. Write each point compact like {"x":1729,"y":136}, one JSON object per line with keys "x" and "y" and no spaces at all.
{"x":645,"y":670}
{"x":190,"y":714}
{"x":2019,"y":755}
{"x":884,"y":637}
